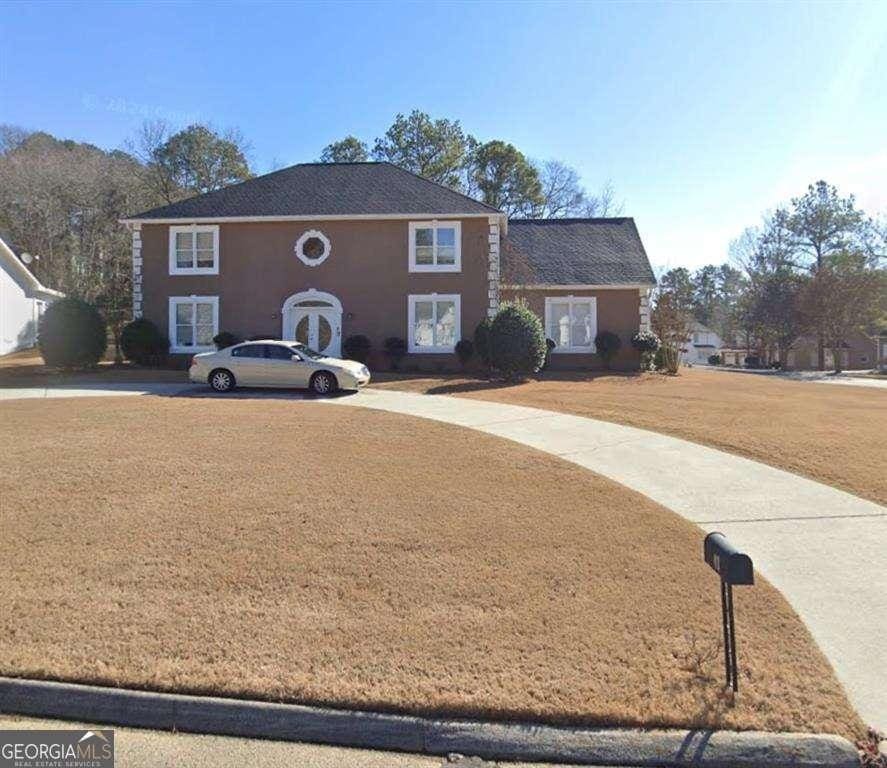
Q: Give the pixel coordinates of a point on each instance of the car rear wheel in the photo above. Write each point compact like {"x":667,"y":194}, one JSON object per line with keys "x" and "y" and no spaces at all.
{"x":222,"y":380}
{"x":323,"y":383}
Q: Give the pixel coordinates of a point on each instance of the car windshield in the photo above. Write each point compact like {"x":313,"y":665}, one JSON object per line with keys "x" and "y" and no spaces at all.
{"x":306,"y":351}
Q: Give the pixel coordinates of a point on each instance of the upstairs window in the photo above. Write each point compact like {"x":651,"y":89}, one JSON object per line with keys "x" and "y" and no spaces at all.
{"x":194,"y":250}
{"x":435,"y":246}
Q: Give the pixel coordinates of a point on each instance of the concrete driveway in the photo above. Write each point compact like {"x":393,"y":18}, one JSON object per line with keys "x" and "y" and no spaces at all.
{"x":824,"y":549}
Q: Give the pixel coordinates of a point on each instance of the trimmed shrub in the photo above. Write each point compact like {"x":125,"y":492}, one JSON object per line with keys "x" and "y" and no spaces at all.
{"x":648,"y":344}
{"x":143,"y":343}
{"x":714,"y":359}
{"x":395,"y":348}
{"x":72,"y":334}
{"x":516,"y":341}
{"x":357,"y":347}
{"x":482,"y":341}
{"x":659,"y":361}
{"x":464,"y":351}
{"x":607,"y":344}
{"x":225,"y":339}
{"x":549,"y":346}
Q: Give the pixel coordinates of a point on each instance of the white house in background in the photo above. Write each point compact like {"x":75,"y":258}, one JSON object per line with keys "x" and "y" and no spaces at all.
{"x":702,"y":343}
{"x":22,"y":300}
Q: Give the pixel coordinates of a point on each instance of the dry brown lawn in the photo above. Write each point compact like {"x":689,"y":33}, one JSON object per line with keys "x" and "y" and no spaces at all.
{"x":315,"y":553}
{"x":830,"y":433}
{"x":26,"y":369}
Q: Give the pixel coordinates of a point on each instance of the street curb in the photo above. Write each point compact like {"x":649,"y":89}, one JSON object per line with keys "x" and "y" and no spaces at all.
{"x":491,"y":741}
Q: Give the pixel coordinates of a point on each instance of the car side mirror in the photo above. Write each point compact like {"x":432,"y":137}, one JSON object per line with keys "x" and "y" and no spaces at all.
{"x":296,"y":359}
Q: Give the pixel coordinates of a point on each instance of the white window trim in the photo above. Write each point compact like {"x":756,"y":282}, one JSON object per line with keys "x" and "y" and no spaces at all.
{"x":433,"y":225}
{"x":300,"y":245}
{"x":174,"y":268}
{"x":559,"y":350}
{"x":176,"y":300}
{"x":412,"y":348}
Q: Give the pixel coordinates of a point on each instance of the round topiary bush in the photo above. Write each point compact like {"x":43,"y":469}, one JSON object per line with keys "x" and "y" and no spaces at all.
{"x":482,"y":341}
{"x":72,"y":334}
{"x":464,"y":351}
{"x":607,"y":344}
{"x":395,"y":348}
{"x":225,"y":339}
{"x":714,"y":359}
{"x":516,"y":341}
{"x":357,"y":347}
{"x":143,"y":343}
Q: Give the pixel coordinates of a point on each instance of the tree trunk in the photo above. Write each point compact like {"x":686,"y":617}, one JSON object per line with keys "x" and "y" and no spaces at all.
{"x":836,"y":355}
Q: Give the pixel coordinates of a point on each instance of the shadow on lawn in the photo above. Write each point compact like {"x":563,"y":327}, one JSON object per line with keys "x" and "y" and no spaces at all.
{"x":256,"y":393}
{"x":480,"y":385}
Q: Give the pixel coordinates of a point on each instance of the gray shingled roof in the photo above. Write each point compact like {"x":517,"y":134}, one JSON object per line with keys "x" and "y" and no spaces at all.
{"x":575,"y":252}
{"x":325,"y":189}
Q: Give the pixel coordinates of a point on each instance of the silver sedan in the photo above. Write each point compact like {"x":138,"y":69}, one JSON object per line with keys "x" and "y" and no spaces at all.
{"x":271,"y":363}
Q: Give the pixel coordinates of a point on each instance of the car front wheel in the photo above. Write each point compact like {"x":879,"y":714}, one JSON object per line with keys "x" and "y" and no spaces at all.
{"x":221,"y":380}
{"x":323,"y":383}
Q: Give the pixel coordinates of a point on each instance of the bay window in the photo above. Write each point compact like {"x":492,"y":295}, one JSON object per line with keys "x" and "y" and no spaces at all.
{"x":193,"y":322}
{"x":571,"y":323}
{"x":435,"y":322}
{"x":435,"y":246}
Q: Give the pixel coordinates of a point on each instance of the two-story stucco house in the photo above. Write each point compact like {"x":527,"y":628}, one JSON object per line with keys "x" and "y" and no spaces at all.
{"x":318,"y":252}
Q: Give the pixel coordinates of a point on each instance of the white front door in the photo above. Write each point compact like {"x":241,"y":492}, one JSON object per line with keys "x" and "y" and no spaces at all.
{"x":315,"y":320}
{"x":318,"y":329}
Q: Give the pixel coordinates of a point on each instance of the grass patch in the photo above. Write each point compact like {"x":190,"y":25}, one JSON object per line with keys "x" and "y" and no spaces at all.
{"x":294,"y":551}
{"x":833,"y":434}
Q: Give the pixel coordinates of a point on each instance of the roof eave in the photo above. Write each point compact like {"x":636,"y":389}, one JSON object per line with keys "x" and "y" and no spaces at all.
{"x":308,"y":217}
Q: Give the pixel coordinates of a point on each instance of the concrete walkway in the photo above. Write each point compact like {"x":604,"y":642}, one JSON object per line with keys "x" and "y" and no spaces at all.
{"x":824,"y":549}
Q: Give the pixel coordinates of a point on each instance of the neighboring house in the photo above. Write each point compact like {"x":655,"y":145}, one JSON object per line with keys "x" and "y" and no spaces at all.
{"x":22,"y":301}
{"x":702,"y":342}
{"x":859,"y":351}
{"x":317,"y":252}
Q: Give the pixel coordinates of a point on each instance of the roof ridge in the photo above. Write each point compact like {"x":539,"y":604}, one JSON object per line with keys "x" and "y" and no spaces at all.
{"x":577,"y":220}
{"x":437,"y":183}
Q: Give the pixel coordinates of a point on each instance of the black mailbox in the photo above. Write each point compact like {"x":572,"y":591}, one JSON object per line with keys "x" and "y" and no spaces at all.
{"x":733,"y":566}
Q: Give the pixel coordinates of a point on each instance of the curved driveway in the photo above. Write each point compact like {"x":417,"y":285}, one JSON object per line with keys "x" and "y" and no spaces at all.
{"x":824,"y":549}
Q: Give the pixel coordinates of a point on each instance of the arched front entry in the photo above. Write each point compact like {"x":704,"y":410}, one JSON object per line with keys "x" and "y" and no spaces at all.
{"x":314,"y":318}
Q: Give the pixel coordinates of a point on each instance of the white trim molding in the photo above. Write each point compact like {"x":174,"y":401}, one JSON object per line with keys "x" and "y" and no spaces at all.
{"x":434,"y":225}
{"x":137,"y":292}
{"x":304,"y":238}
{"x":570,"y":300}
{"x":434,"y":298}
{"x":318,"y":217}
{"x":494,"y":265}
{"x":174,"y":301}
{"x":193,"y":229}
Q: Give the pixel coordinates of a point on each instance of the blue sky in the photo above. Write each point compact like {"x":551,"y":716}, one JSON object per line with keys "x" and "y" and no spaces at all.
{"x":702,"y":115}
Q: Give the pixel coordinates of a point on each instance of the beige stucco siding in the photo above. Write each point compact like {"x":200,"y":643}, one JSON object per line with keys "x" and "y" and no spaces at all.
{"x":367,"y":270}
{"x":618,"y":310}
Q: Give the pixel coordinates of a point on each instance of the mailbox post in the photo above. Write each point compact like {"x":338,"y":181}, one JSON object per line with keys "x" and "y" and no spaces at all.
{"x":734,"y":567}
